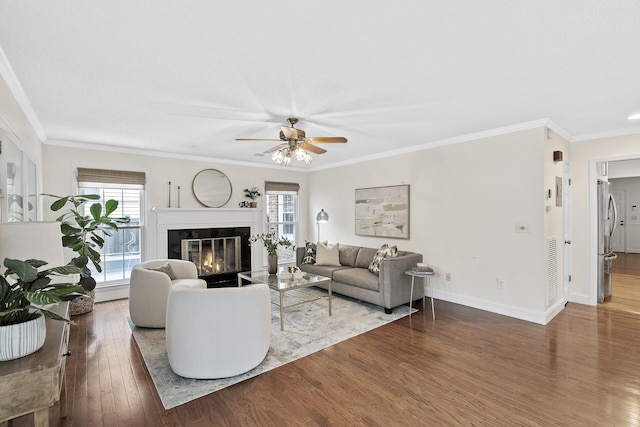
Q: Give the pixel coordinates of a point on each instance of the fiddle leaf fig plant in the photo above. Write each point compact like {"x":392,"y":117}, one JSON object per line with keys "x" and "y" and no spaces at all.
{"x":25,"y":292}
{"x":83,"y":233}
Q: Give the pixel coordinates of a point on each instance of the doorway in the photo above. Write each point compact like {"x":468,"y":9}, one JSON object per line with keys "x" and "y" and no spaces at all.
{"x":624,"y":176}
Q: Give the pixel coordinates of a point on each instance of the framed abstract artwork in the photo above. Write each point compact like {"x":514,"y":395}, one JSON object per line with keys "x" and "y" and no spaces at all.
{"x":383,"y":211}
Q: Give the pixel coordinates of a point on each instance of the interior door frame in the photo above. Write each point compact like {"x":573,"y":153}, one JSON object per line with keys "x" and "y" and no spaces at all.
{"x":566,"y":228}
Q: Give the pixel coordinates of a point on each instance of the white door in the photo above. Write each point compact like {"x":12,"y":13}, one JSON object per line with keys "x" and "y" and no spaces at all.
{"x":566,"y":231}
{"x":618,"y":243}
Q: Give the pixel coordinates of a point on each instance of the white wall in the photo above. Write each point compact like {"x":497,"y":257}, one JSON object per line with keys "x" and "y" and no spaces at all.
{"x":61,"y":163}
{"x":584,"y":155}
{"x":465,"y":202}
{"x":18,"y":129}
{"x":16,"y":122}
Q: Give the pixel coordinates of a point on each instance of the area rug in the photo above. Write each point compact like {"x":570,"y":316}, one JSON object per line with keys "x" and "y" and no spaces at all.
{"x":307,"y":329}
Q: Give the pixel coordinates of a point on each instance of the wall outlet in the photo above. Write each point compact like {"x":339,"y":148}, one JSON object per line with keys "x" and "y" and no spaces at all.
{"x":500,"y":284}
{"x":447,"y":277}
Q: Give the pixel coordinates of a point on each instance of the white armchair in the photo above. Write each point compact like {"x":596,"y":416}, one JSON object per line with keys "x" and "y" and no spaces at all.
{"x":219,"y":332}
{"x":149,"y":289}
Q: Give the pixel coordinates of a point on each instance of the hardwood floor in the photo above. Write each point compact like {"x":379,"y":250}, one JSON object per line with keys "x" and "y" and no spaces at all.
{"x":469,"y":367}
{"x":625,"y":284}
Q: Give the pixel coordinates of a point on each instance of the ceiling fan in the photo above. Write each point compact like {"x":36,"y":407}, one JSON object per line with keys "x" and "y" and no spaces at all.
{"x":295,"y":142}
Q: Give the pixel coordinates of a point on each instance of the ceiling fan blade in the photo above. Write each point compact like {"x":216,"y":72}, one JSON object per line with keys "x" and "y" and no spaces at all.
{"x":289,"y":132}
{"x":276,"y":148}
{"x":327,"y":139}
{"x":255,"y":140}
{"x":310,"y":147}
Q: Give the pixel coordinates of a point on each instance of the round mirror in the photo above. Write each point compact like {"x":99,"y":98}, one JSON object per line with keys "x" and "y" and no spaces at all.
{"x":212,"y":188}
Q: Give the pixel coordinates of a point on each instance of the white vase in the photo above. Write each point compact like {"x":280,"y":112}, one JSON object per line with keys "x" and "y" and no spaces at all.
{"x":22,"y":339}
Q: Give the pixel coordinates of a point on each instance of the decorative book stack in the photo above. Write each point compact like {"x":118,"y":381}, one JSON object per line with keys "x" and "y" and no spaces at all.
{"x":423,"y":270}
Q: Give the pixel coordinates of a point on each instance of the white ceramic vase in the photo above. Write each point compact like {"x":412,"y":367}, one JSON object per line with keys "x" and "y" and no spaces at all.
{"x":22,"y":339}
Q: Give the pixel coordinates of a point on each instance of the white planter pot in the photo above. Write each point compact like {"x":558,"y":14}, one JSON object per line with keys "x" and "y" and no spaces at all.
{"x":22,"y":339}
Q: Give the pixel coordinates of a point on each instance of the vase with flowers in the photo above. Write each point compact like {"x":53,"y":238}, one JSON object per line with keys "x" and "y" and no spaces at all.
{"x":252,"y":193}
{"x":271,"y":243}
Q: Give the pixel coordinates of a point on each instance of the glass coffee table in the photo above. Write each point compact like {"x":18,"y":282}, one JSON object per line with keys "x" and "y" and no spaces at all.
{"x":285,"y":282}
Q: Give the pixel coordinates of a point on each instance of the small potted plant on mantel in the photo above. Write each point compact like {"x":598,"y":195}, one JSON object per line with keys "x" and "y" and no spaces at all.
{"x":25,"y":294}
{"x":252,"y":193}
{"x":271,"y":244}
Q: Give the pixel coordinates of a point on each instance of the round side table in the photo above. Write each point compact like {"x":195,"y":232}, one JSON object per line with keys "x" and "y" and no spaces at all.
{"x":427,"y":277}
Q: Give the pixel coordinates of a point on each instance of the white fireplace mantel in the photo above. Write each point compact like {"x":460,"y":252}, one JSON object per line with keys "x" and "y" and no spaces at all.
{"x":180,"y":219}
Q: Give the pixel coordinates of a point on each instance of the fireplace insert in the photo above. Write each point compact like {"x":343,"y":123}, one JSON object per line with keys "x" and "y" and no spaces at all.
{"x":218,"y":253}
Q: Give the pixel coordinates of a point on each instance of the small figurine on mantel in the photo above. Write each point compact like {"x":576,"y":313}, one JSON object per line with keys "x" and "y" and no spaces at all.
{"x":252,"y":193}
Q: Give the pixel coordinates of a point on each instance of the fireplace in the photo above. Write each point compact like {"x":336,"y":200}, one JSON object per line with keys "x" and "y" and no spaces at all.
{"x":218,"y":253}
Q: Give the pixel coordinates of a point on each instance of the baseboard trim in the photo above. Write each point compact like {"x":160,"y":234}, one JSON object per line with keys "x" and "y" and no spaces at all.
{"x":581,"y":299}
{"x":540,"y":318}
{"x":109,"y":293}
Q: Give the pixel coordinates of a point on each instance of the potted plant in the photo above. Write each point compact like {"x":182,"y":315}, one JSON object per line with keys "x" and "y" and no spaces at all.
{"x":83,"y":234}
{"x":252,"y":193}
{"x":271,"y":244}
{"x":24,"y":294}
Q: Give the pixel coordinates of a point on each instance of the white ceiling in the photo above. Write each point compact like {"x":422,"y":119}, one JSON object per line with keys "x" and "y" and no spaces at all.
{"x":189,"y":77}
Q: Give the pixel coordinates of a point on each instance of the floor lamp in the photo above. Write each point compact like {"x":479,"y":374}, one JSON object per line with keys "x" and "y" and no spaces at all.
{"x":321,"y":217}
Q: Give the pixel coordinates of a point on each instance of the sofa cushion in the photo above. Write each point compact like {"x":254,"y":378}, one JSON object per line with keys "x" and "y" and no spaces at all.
{"x":358,"y":277}
{"x":365,"y":256}
{"x":164,"y":268}
{"x":348,"y":255}
{"x":385,"y":251}
{"x":321,"y":270}
{"x":328,"y":254}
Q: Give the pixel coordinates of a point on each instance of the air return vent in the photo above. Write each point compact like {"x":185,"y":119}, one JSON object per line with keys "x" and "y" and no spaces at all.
{"x":552,"y":270}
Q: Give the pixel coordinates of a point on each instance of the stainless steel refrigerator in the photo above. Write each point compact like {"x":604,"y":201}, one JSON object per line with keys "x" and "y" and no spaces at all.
{"x":607,"y":218}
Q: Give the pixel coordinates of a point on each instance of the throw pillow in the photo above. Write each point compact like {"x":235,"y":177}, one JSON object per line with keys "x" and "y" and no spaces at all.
{"x":310,"y":249}
{"x":385,"y":251}
{"x":164,"y":268}
{"x":328,"y":255}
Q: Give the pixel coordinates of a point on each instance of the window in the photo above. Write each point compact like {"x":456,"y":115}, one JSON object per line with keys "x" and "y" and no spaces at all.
{"x":121,"y":250}
{"x":281,"y":204}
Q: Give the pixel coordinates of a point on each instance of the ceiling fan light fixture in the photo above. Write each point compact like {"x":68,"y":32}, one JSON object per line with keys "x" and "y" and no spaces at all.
{"x":278,"y":156}
{"x":294,"y":141}
{"x":287,"y":159}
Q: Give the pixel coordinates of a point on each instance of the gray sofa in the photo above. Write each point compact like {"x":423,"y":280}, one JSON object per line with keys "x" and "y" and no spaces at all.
{"x":352,"y":278}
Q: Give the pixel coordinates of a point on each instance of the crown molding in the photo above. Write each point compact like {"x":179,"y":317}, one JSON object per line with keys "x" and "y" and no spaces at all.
{"x":607,"y":134}
{"x":138,"y":151}
{"x":6,"y":72}
{"x":457,"y":140}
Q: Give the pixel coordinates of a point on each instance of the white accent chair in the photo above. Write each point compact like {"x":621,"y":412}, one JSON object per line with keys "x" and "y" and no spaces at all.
{"x":219,"y":332}
{"x":149,"y":289}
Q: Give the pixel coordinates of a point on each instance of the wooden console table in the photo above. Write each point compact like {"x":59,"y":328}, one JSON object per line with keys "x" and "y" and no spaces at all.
{"x":36,"y":382}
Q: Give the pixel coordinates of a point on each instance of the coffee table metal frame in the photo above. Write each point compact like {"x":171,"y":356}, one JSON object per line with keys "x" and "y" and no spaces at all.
{"x":285,"y":282}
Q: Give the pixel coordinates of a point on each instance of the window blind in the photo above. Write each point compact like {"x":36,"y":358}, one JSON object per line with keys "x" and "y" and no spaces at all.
{"x":88,"y":177}
{"x":281,"y":187}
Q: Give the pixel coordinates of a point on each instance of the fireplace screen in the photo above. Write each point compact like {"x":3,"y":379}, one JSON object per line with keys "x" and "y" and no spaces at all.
{"x":213,"y":255}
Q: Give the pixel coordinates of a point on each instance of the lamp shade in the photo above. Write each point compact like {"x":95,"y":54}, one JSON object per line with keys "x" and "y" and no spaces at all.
{"x":322,"y":216}
{"x":31,"y":240}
